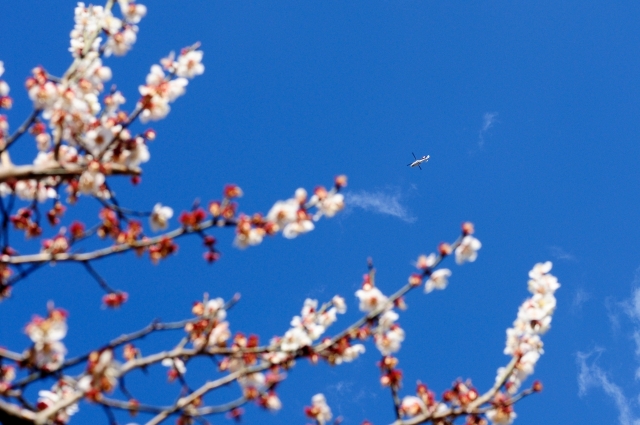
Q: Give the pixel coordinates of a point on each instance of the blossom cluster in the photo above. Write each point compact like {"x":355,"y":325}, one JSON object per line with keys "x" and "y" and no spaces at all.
{"x":523,"y":339}
{"x":319,"y":410}
{"x":308,"y":327}
{"x":5,"y":103}
{"x":82,"y":131}
{"x":48,"y":351}
{"x":291,"y":216}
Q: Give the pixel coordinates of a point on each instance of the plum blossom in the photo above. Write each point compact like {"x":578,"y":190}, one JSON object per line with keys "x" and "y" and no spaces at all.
{"x":389,"y":341}
{"x":46,"y":334}
{"x":102,"y":372}
{"x":283,"y":212}
{"x":328,"y":203}
{"x":502,"y":413}
{"x":189,"y":64}
{"x":319,"y":409}
{"x":160,"y":216}
{"x":132,"y":11}
{"x":467,"y":250}
{"x":412,"y":406}
{"x":370,"y":298}
{"x":91,"y":181}
{"x":29,"y":190}
{"x":309,"y":326}
{"x":302,"y":225}
{"x":176,"y":367}
{"x":533,"y":320}
{"x":437,"y":280}
{"x":120,"y":42}
{"x":158,"y":92}
{"x":425,"y":262}
{"x":60,"y":391}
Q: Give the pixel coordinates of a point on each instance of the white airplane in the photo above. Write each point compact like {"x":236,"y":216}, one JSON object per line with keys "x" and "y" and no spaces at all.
{"x":417,"y":161}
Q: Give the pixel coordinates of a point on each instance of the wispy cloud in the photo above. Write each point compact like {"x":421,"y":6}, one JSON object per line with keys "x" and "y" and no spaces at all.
{"x":579,"y":298}
{"x":488,"y":120}
{"x":381,"y":203}
{"x":592,"y":376}
{"x":560,"y":254}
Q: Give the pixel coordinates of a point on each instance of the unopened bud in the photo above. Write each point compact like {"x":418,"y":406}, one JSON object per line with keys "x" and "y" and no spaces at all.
{"x":444,"y":249}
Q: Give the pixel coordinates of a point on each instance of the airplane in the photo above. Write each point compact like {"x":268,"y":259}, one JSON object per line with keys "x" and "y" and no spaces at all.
{"x":417,"y":161}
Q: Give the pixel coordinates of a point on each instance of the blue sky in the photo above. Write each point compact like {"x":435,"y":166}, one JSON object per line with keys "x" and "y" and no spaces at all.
{"x":530,"y":115}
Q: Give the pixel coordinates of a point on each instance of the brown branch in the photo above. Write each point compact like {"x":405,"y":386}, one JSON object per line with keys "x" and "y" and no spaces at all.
{"x":12,"y":414}
{"x":209,"y":386}
{"x":473,"y":408}
{"x":45,"y":257}
{"x":21,"y":130}
{"x":38,"y":172}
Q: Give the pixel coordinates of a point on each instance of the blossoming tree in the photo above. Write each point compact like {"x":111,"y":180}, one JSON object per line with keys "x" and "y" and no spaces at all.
{"x":84,"y":139}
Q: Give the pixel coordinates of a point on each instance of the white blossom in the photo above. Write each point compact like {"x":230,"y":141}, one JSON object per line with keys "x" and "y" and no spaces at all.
{"x":412,"y":406}
{"x":319,"y":403}
{"x":437,"y":280}
{"x":160,"y":216}
{"x":467,"y":250}
{"x":370,"y":298}
{"x":296,"y":228}
{"x":190,"y":64}
{"x":131,"y":11}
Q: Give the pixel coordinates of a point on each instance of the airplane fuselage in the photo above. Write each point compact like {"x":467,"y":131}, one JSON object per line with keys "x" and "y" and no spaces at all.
{"x":417,"y":162}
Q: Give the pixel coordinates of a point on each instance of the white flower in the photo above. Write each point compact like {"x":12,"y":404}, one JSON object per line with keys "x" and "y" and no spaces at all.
{"x":121,"y":42}
{"x":390,"y":341}
{"x":387,"y":319}
{"x":215,"y":309}
{"x":220,"y":334}
{"x":412,"y":406}
{"x":328,"y":318}
{"x":283,"y":212}
{"x":425,"y":262}
{"x":190,"y":64}
{"x":49,"y":355}
{"x":28,"y":190}
{"x":272,"y":402}
{"x":330,"y":205}
{"x":252,"y":238}
{"x":541,"y":282}
{"x":296,"y":228}
{"x":90,"y":182}
{"x":339,"y":304}
{"x":46,"y":330}
{"x":157,"y":108}
{"x":319,"y":403}
{"x":4,"y":88}
{"x":60,"y":391}
{"x":370,"y":298}
{"x":295,"y":338}
{"x":437,"y":280}
{"x":256,"y":380}
{"x":1,"y":68}
{"x":352,"y":352}
{"x":131,"y":11}
{"x":159,"y":219}
{"x":176,"y":88}
{"x":500,"y":416}
{"x":467,"y":250}
{"x":175,"y":363}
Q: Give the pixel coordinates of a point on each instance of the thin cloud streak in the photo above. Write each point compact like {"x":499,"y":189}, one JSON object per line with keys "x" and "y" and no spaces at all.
{"x":381,"y":203}
{"x":488,"y":120}
{"x":560,"y":254}
{"x":580,"y":297}
{"x":591,"y":376}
